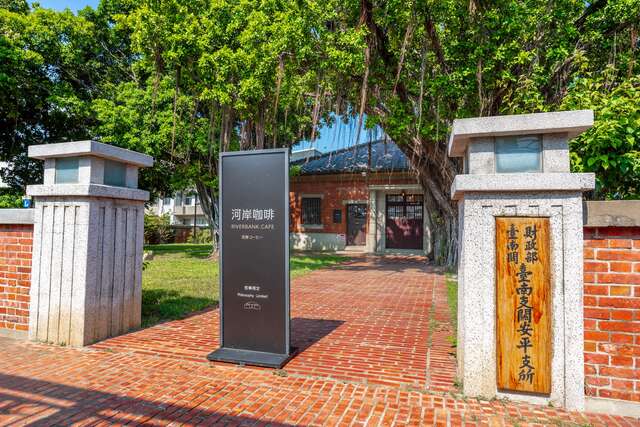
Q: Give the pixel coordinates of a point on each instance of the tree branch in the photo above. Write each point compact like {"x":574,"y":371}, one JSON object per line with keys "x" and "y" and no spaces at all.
{"x":590,"y":10}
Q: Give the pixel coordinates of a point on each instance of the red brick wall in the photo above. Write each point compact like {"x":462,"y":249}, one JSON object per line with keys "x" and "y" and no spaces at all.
{"x":612,"y":312}
{"x":335,"y":189}
{"x":15,"y":276}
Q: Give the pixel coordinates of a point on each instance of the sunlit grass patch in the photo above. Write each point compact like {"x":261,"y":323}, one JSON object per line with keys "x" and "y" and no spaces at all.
{"x":182,"y":279}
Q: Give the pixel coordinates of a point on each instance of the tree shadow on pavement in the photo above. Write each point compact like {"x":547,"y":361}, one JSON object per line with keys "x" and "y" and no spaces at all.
{"x":27,"y":401}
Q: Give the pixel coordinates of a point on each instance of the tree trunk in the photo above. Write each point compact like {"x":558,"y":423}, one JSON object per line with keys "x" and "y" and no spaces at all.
{"x":435,"y":171}
{"x":443,"y":224}
{"x":209,"y":203}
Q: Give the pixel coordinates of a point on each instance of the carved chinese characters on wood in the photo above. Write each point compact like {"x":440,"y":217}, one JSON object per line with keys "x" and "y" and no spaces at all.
{"x":523,"y":297}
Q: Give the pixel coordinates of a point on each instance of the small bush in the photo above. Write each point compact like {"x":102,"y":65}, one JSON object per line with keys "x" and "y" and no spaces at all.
{"x":10,"y":201}
{"x":202,"y":236}
{"x":295,"y":170}
{"x":157,"y":229}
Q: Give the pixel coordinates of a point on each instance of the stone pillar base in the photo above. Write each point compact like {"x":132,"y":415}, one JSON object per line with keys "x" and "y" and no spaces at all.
{"x":477,"y":293}
{"x":86,"y":281}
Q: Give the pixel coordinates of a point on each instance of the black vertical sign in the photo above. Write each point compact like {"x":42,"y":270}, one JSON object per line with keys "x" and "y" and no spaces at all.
{"x":254,"y":258}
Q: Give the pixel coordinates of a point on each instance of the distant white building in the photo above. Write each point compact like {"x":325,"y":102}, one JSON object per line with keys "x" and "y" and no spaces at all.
{"x":183,"y":208}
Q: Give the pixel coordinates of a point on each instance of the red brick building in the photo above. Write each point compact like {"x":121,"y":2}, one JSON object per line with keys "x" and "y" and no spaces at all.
{"x":359,"y":198}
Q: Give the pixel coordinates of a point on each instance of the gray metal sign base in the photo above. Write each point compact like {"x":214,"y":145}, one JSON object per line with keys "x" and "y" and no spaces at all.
{"x":248,"y":357}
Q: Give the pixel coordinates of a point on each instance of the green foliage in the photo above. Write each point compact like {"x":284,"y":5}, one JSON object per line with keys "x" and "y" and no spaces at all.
{"x":10,"y":200}
{"x":157,"y":229}
{"x":17,"y":6}
{"x":611,"y":148}
{"x":206,"y":69}
{"x":434,"y":61}
{"x":52,"y":65}
{"x":295,"y":170}
{"x":202,"y":236}
{"x":452,"y":299}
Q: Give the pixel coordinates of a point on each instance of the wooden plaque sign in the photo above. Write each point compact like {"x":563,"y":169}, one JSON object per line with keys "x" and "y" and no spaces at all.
{"x":523,"y":301}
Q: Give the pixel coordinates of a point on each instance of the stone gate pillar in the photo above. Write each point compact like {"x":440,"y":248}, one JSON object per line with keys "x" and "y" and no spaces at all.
{"x":87,"y":245}
{"x":520,"y":315}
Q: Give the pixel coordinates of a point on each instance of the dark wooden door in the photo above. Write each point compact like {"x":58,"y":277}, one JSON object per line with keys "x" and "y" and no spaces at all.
{"x":356,"y":224}
{"x":404,"y":226}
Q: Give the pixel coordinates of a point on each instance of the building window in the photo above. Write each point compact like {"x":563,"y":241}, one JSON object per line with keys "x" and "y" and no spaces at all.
{"x":408,"y":206}
{"x":311,"y":211}
{"x":67,"y":170}
{"x":337,"y":216}
{"x":115,"y":173}
{"x":518,"y":154}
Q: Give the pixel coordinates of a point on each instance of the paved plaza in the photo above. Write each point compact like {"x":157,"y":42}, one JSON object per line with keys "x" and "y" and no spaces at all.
{"x":374,"y":341}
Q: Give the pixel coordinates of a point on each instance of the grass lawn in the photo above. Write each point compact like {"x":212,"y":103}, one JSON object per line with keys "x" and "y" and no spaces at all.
{"x":452,"y":298}
{"x":180,"y":279}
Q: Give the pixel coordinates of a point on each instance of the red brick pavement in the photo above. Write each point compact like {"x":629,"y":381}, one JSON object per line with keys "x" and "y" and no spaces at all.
{"x":374,"y":350}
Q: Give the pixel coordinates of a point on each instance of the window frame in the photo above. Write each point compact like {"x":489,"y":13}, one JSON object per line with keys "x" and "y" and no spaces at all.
{"x":515,"y":138}
{"x":114,"y":173}
{"x":67,"y":170}
{"x":396,"y":206}
{"x":316,"y":215}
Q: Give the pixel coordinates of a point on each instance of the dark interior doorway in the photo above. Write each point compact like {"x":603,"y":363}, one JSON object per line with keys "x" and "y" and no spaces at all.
{"x":404,"y":222}
{"x":356,"y":224}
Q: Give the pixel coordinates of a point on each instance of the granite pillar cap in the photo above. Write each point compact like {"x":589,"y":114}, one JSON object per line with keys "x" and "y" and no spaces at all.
{"x":90,"y":148}
{"x":573,"y":123}
{"x":87,"y":190}
{"x":521,"y":182}
{"x":90,"y":172}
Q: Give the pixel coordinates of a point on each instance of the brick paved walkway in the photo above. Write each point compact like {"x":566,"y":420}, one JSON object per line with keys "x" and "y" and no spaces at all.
{"x":374,"y":348}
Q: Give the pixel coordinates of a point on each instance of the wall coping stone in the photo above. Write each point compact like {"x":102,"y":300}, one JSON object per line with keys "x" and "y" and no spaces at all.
{"x":410,"y":187}
{"x":602,"y":405}
{"x":89,"y":190}
{"x":14,"y":334}
{"x":573,"y":123}
{"x":90,"y":148}
{"x":612,"y":213}
{"x":521,"y":182}
{"x":16,"y":216}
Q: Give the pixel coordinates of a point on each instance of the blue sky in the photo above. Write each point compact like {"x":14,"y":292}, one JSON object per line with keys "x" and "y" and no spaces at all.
{"x":331,"y":138}
{"x":341,"y":135}
{"x":74,"y":5}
